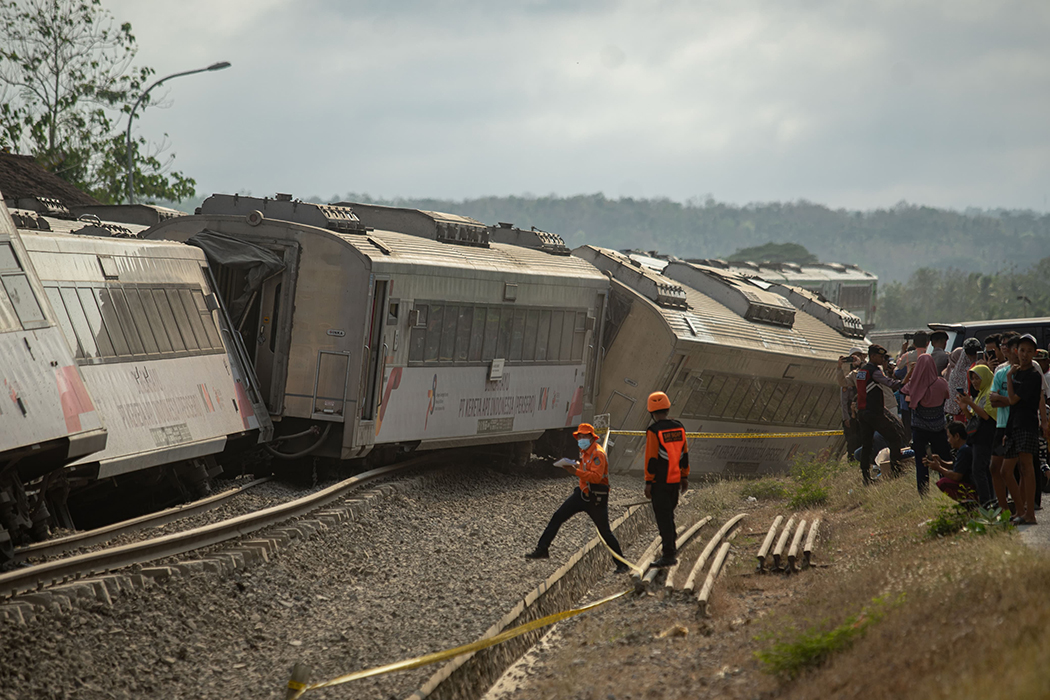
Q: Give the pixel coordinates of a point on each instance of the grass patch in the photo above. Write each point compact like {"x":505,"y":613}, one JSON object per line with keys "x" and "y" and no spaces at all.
{"x":811,"y":477}
{"x":764,"y":490}
{"x":812,"y":647}
{"x":955,"y":517}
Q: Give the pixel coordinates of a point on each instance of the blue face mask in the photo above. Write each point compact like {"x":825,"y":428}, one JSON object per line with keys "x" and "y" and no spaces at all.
{"x":584,"y":443}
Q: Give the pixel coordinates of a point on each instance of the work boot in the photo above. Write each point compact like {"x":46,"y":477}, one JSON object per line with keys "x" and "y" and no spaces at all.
{"x":537,"y":554}
{"x":664,"y":562}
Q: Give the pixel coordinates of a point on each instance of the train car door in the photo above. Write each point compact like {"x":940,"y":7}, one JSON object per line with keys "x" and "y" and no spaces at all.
{"x":267,"y":348}
{"x":375,"y":352}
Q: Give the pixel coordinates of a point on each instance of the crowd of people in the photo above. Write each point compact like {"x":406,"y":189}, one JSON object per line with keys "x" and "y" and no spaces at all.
{"x":976,"y":416}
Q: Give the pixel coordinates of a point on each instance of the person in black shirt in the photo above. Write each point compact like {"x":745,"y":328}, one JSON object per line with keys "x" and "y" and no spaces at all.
{"x":1027,"y":420}
{"x":956,"y":480}
{"x":870,"y":411}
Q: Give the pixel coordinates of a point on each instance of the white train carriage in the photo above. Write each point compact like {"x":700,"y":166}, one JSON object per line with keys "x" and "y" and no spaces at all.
{"x":406,"y":329}
{"x":733,"y":357}
{"x":147,"y":334}
{"x":47,"y":415}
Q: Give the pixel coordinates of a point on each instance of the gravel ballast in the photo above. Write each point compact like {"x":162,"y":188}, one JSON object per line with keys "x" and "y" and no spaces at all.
{"x":430,"y":567}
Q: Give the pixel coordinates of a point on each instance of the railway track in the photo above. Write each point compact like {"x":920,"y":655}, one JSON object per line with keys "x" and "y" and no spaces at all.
{"x":87,"y":538}
{"x":49,"y":573}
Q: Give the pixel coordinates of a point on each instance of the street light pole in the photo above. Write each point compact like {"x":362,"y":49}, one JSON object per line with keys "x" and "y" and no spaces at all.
{"x":131,"y":117}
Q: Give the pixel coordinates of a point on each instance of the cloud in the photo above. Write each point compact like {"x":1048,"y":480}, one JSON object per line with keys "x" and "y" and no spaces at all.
{"x":852,"y":104}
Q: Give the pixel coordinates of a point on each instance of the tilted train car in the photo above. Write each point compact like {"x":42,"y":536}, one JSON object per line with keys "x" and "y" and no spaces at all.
{"x":733,"y":356}
{"x":47,"y":415}
{"x":147,"y":334}
{"x":402,"y":329}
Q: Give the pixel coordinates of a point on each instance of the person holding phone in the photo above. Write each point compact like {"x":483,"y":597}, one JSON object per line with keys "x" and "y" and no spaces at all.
{"x":926,"y":392}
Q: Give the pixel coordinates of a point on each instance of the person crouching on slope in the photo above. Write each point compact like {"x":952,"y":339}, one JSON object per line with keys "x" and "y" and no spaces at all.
{"x":591,"y":496}
{"x":666,"y":472}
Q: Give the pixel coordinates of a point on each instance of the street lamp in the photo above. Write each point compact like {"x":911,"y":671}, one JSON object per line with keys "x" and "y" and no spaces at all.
{"x":131,"y":117}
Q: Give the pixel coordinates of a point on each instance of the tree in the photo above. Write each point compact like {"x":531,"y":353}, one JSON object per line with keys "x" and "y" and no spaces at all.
{"x":66,"y":76}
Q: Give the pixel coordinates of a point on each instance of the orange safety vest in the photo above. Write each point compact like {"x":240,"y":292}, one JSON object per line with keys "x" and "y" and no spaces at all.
{"x":665,"y":444}
{"x":593,"y":467}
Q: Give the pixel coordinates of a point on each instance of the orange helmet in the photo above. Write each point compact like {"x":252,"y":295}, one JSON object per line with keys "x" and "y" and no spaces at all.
{"x":585,"y":429}
{"x":658,"y":401}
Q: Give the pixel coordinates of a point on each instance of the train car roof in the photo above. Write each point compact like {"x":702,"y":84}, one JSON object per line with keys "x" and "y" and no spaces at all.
{"x":793,"y":273}
{"x":706,"y":320}
{"x":427,"y":239}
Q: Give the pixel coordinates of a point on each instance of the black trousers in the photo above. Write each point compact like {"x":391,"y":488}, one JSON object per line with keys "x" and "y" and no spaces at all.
{"x":665,"y":500}
{"x":870,"y":422}
{"x":937,"y":440}
{"x":577,"y":504}
{"x":852,"y":434}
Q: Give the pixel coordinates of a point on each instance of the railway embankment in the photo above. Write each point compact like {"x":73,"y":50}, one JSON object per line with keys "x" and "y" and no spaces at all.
{"x":902,"y":603}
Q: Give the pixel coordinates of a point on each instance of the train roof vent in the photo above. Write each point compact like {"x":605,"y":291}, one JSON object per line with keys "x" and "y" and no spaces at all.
{"x":328,"y":216}
{"x":647,"y":282}
{"x":736,"y":292}
{"x":29,"y":220}
{"x":535,"y":238}
{"x":820,"y":308}
{"x":437,"y":226}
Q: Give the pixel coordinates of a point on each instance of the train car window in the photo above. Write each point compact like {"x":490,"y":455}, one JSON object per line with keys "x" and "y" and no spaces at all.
{"x":448,"y":334}
{"x":828,"y":401}
{"x":22,"y":298}
{"x":532,"y":322}
{"x":182,"y":321}
{"x":543,"y":336}
{"x":554,"y":340}
{"x":195,"y":318}
{"x":392,"y":312}
{"x":488,"y":350}
{"x":568,"y":323}
{"x":138,"y":314}
{"x":419,"y":335}
{"x":798,"y":411}
{"x":506,"y":320}
{"x":8,"y":261}
{"x":167,"y":318}
{"x":706,"y":399}
{"x":144,"y":297}
{"x":59,"y":306}
{"x":127,"y":322}
{"x":208,"y":320}
{"x":517,"y":335}
{"x":85,"y":338}
{"x":579,"y":335}
{"x":434,"y":324}
{"x":8,"y":319}
{"x":112,"y":323}
{"x":776,"y":396}
{"x":790,"y":396}
{"x":477,"y":334}
{"x":742,"y":399}
{"x":761,"y":391}
{"x":466,"y":318}
{"x":95,"y":322}
{"x":728,"y":389}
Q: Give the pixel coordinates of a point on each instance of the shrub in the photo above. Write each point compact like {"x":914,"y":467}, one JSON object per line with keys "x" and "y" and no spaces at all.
{"x":813,"y":647}
{"x":952,"y":518}
{"x":811,"y":476}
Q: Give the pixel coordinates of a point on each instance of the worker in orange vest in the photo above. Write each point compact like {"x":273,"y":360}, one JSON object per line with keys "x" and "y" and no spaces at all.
{"x":591,"y":496}
{"x":666,"y":472}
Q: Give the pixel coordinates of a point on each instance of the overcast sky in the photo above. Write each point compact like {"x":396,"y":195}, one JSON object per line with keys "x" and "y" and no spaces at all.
{"x":850,"y":104}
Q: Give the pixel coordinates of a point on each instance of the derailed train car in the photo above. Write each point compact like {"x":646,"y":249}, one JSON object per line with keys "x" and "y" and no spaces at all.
{"x":47,"y":415}
{"x":155,"y":352}
{"x":376,"y":331}
{"x":733,"y":355}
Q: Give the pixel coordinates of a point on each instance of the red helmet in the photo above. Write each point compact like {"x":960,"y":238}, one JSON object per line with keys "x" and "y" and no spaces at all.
{"x":658,"y":401}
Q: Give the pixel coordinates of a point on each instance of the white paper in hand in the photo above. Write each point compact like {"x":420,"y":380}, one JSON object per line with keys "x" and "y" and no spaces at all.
{"x":565,"y":462}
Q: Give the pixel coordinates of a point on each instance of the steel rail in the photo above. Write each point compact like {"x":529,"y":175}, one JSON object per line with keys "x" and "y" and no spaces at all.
{"x":104,"y":534}
{"x":49,"y":573}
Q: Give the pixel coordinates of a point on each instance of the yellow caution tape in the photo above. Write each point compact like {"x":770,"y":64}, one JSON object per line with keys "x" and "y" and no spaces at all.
{"x":812,"y":433}
{"x":435,"y":657}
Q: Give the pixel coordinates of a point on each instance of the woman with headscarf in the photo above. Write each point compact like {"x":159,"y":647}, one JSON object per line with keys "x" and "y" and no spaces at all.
{"x":980,"y":428}
{"x":959,"y":364}
{"x":927,"y":392}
